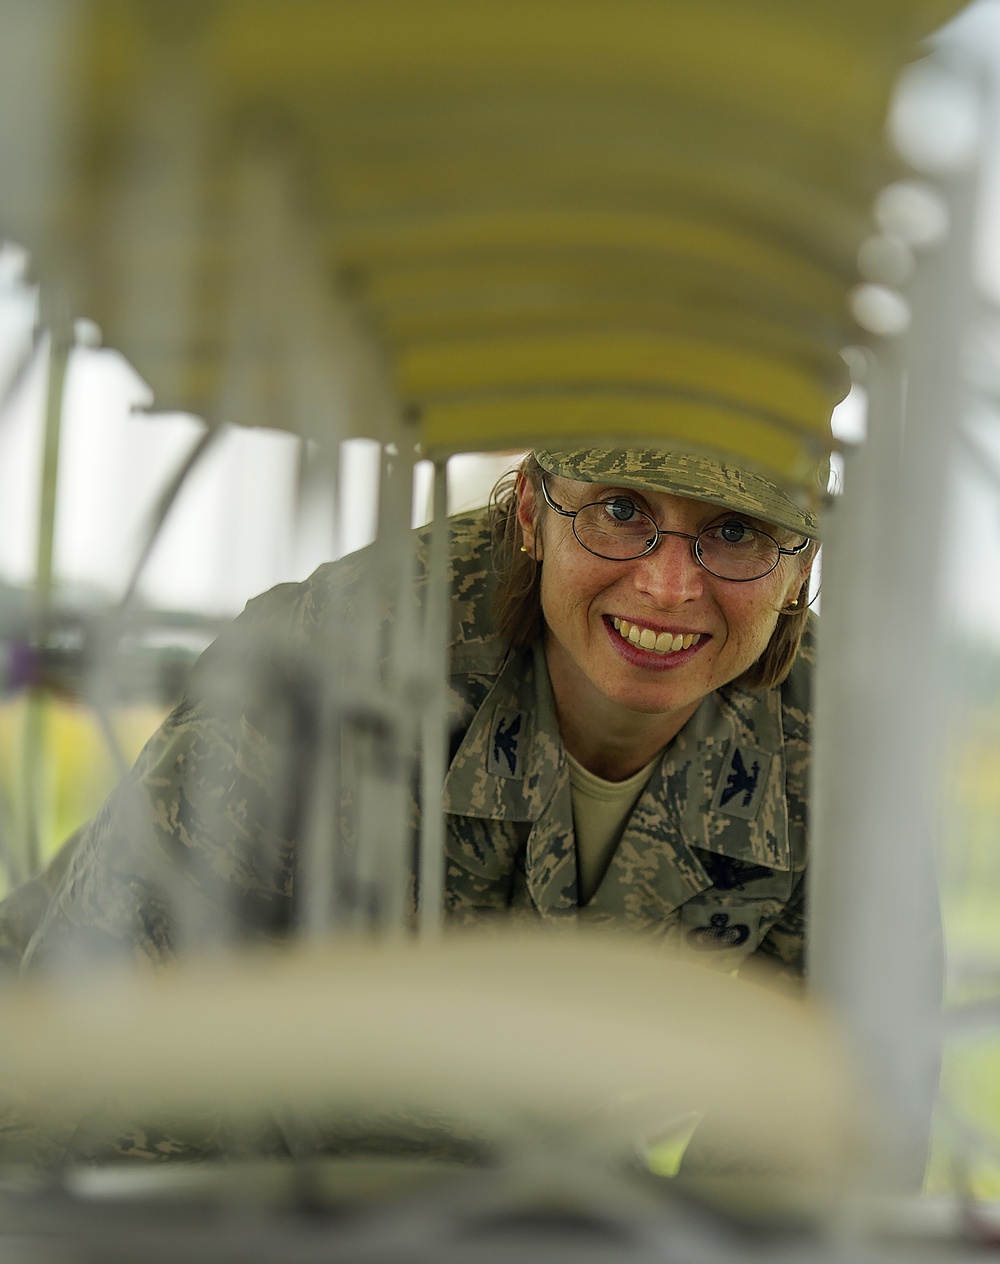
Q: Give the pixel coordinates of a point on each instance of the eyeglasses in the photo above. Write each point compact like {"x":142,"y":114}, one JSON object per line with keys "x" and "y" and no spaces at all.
{"x":618,"y":530}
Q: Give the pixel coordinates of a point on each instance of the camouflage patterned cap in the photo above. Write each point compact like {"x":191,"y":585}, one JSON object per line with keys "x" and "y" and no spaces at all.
{"x":683,"y":474}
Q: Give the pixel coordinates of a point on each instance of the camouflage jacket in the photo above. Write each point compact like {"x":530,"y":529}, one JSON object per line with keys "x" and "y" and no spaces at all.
{"x":713,"y":855}
{"x":714,"y":852}
{"x":712,"y":858}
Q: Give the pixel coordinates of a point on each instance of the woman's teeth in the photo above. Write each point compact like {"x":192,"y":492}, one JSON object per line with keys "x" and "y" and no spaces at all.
{"x":665,"y":643}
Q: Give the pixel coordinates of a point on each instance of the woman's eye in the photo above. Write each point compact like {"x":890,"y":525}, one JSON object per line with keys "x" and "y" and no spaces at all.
{"x":621,"y":509}
{"x":734,"y":532}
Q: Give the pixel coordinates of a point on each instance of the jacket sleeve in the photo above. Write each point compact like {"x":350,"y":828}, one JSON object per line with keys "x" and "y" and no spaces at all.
{"x":23,"y":908}
{"x":782,"y":951}
{"x":197,"y":844}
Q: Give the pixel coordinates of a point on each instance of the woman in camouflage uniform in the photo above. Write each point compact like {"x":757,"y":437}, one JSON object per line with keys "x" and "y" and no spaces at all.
{"x":629,"y":730}
{"x":637,"y":745}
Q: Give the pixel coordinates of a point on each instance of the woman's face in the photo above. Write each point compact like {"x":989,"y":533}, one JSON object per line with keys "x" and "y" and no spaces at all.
{"x":590,"y":605}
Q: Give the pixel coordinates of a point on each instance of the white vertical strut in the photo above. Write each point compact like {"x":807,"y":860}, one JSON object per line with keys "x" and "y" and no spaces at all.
{"x":875,"y":945}
{"x":433,"y":764}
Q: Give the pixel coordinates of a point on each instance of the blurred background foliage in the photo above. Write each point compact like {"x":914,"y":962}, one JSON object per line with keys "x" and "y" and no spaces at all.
{"x":969,"y":807}
{"x":77,"y":770}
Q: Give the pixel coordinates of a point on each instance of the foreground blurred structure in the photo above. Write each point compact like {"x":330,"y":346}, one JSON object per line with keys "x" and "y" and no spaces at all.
{"x":448,"y":228}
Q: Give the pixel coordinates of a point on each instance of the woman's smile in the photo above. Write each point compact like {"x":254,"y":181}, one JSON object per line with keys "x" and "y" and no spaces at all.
{"x":657,"y":642}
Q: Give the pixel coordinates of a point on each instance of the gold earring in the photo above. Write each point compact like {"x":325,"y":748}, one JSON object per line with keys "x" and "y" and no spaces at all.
{"x":791,"y":607}
{"x":523,"y":549}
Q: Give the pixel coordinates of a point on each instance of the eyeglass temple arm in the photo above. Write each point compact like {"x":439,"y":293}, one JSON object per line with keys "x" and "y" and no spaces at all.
{"x":552,"y":504}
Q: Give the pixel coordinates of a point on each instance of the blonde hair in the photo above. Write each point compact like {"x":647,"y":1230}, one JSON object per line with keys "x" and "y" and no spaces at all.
{"x":517,"y":608}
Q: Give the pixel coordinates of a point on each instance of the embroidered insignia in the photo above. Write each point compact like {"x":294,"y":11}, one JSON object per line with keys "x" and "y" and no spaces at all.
{"x":718,"y":934}
{"x":740,"y":789}
{"x":727,"y":874}
{"x":503,"y":759}
{"x":707,"y":928}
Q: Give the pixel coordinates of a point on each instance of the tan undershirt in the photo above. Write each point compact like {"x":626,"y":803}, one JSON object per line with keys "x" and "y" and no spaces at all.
{"x":600,"y":812}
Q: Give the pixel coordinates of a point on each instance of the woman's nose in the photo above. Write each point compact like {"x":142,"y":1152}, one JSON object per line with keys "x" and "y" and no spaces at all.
{"x":670,"y":575}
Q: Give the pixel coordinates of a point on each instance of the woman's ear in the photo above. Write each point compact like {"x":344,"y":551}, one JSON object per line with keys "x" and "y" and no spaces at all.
{"x":800,"y":579}
{"x":527,"y":517}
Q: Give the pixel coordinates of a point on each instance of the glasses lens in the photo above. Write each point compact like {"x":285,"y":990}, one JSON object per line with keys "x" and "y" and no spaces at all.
{"x":735,"y":550}
{"x":615,"y":529}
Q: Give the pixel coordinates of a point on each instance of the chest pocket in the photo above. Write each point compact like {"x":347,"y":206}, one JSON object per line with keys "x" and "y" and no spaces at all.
{"x":727,"y":922}
{"x":728,"y":874}
{"x":483,"y":859}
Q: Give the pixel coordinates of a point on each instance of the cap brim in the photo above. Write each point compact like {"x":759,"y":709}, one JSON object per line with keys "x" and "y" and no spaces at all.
{"x":683,"y":474}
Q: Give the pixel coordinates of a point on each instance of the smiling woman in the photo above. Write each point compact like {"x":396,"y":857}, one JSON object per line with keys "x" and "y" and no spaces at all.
{"x":654,"y":605}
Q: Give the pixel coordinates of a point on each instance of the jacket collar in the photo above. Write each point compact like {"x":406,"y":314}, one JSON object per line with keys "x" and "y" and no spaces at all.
{"x":511,"y":757}
{"x":724,"y":775}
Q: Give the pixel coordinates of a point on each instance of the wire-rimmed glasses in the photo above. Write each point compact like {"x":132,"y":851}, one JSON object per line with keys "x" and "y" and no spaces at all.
{"x":618,"y":530}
